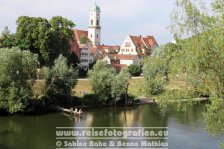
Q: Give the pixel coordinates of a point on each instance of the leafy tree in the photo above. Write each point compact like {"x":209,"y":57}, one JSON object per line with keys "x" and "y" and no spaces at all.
{"x":201,"y":56}
{"x":134,"y":70}
{"x":60,"y":79}
{"x":16,"y":67}
{"x":46,"y":38}
{"x":155,"y":74}
{"x":120,"y":85}
{"x":101,"y":78}
{"x":108,"y":86}
{"x":7,"y":40}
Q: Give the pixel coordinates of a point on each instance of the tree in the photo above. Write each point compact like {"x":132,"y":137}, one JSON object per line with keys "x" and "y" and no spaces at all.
{"x":107,"y":85}
{"x":46,"y":38}
{"x":202,"y":56}
{"x":155,"y":73}
{"x":60,"y":79}
{"x":134,"y":70}
{"x":101,"y":78}
{"x":120,"y":86}
{"x":7,"y":40}
{"x":16,"y":67}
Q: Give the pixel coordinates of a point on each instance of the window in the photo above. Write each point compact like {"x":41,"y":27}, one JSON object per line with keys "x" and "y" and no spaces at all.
{"x":131,"y":50}
{"x":127,"y":44}
{"x":97,"y":36}
{"x":127,"y":50}
{"x":84,"y":54}
{"x":97,"y":22}
{"x":91,"y":36}
{"x":84,"y":60}
{"x":91,"y":22}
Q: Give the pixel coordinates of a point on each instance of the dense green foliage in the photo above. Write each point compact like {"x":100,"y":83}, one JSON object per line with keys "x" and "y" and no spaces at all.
{"x":7,"y":40}
{"x":134,"y":70}
{"x":47,"y":39}
{"x":41,"y":43}
{"x":154,"y":72}
{"x":120,"y":86}
{"x":106,"y":84}
{"x":16,"y":67}
{"x":18,"y":76}
{"x":101,"y":78}
{"x":199,"y":59}
{"x":60,"y":79}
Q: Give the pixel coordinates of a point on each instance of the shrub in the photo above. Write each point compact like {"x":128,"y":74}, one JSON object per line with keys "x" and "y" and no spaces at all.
{"x":134,"y":70}
{"x":16,"y":67}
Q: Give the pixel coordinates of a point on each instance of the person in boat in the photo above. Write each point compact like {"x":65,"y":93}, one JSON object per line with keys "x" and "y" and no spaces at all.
{"x":76,"y":110}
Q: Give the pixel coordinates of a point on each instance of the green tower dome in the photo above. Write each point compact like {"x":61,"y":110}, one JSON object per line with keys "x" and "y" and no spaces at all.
{"x":94,"y":8}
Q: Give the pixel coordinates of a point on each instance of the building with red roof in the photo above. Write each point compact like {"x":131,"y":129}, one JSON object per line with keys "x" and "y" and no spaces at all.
{"x":87,"y":46}
{"x":138,"y":45}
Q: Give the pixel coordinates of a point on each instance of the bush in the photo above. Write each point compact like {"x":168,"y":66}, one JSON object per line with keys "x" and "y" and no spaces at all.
{"x":156,"y":74}
{"x":101,"y":78}
{"x":134,"y":70}
{"x":156,"y":87}
{"x":16,"y":67}
{"x":59,"y":81}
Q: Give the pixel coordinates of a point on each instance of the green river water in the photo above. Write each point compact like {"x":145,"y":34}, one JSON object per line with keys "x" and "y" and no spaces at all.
{"x":185,"y":128}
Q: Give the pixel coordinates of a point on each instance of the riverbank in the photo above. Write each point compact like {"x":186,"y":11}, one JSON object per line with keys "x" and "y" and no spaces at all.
{"x":136,"y":87}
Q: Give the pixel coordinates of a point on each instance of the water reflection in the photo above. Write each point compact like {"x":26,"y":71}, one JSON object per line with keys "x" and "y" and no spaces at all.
{"x":38,"y":132}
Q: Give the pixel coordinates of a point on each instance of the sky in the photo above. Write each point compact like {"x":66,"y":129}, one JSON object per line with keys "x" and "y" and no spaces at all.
{"x":119,"y":18}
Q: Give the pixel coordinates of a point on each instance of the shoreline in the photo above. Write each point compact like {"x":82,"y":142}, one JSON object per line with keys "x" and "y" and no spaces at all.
{"x":54,"y":109}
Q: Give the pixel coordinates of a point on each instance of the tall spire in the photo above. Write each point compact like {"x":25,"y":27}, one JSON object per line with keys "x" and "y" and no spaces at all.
{"x":94,"y":30}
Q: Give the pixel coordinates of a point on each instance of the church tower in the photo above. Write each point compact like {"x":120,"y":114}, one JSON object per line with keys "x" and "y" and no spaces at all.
{"x":94,"y":30}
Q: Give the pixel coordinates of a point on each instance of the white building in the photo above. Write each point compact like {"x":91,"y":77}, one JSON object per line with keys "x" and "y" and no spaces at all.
{"x":122,"y":59}
{"x":138,"y":45}
{"x":130,"y":52}
{"x":94,"y":30}
{"x":86,"y":56}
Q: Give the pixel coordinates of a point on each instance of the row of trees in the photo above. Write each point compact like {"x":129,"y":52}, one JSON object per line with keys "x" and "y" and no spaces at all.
{"x":20,"y":89}
{"x":47,"y":39}
{"x":35,"y":63}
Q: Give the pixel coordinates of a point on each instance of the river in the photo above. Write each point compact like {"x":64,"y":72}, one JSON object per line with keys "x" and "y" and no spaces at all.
{"x":186,"y":128}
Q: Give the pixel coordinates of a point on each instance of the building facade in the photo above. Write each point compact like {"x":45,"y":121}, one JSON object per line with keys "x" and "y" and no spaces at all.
{"x":138,"y":45}
{"x":87,"y":45}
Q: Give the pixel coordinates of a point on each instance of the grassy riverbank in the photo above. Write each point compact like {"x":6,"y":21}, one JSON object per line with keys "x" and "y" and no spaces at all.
{"x":136,"y":88}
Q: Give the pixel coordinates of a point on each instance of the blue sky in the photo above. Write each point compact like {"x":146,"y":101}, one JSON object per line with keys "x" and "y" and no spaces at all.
{"x":119,"y":18}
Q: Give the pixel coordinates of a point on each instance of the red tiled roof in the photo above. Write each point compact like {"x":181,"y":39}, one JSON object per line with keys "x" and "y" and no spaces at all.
{"x":94,"y":49}
{"x":75,"y":47}
{"x":79,"y":33}
{"x":152,"y":41}
{"x":137,"y":41}
{"x":107,"y":48}
{"x":147,"y":42}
